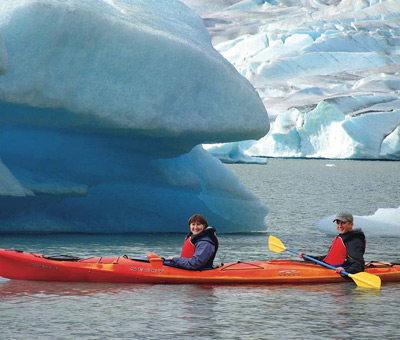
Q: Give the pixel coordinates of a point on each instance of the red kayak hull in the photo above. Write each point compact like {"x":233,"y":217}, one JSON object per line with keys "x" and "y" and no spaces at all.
{"x":18,"y":265}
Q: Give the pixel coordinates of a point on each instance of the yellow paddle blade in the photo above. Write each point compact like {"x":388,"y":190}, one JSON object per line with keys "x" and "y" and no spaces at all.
{"x":275,"y":244}
{"x":366,"y":280}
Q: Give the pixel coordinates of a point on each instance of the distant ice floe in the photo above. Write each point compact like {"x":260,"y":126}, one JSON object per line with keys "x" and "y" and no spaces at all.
{"x":103,"y":104}
{"x":384,"y":222}
{"x":328,"y":73}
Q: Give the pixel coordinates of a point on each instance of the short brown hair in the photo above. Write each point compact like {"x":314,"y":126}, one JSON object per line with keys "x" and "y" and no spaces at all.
{"x":198,"y":218}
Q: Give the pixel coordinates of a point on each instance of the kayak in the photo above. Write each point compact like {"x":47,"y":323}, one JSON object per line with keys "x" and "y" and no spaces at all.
{"x":20,"y":265}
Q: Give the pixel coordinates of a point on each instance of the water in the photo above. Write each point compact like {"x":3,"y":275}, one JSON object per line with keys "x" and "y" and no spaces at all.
{"x":298,"y":192}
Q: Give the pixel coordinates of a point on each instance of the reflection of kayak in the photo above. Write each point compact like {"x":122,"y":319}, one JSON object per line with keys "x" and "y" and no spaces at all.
{"x":30,"y":266}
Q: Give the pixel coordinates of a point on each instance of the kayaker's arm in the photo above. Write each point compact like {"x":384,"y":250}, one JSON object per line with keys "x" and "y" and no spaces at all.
{"x":355,"y":256}
{"x":319,"y":258}
{"x":204,"y":250}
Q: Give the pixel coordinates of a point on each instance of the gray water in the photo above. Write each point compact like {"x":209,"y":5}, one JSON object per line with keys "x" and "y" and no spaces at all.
{"x":298,"y":192}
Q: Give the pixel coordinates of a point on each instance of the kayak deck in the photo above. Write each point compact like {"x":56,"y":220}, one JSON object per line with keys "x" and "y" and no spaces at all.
{"x":19,"y":265}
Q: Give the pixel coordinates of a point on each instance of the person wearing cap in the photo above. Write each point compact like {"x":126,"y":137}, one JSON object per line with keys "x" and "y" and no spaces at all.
{"x":200,"y":246}
{"x":348,"y":247}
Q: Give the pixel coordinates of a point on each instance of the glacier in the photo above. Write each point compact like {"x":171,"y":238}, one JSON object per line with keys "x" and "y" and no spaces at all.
{"x":384,"y":222}
{"x":104,"y":106}
{"x":328,"y":73}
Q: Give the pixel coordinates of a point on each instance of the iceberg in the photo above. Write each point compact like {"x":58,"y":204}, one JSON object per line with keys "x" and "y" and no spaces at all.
{"x":103,"y":105}
{"x":3,"y":57}
{"x":327,"y":72}
{"x":384,"y":222}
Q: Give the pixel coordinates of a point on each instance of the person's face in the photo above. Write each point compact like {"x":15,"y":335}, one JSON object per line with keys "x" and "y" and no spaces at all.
{"x":344,"y":227}
{"x":196,"y":227}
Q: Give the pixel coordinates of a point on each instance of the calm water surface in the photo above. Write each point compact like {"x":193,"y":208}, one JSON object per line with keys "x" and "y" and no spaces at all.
{"x":298,"y":192}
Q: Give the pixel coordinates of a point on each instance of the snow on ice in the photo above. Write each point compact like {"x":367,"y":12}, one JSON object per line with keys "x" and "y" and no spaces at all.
{"x":328,"y":73}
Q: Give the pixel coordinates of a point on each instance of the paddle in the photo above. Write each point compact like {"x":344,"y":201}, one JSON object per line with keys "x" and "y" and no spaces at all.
{"x":362,"y":279}
{"x":155,"y":260}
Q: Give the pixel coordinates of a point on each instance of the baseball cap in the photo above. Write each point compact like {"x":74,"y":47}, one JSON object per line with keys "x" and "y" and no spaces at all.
{"x":344,"y":217}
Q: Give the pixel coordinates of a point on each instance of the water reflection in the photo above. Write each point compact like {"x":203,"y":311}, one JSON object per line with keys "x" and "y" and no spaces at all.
{"x":16,"y":289}
{"x":329,"y":311}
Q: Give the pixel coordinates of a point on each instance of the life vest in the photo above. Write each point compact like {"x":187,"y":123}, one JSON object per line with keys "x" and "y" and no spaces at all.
{"x":189,"y":245}
{"x":337,"y":253}
{"x":188,"y":248}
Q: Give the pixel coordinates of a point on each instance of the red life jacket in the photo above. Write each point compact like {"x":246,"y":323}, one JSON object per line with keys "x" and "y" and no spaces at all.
{"x":337,"y":253}
{"x":188,"y":248}
{"x":189,"y":245}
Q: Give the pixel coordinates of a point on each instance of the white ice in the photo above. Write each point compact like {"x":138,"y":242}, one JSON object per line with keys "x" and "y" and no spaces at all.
{"x":384,"y":222}
{"x":102,"y":105}
{"x":328,"y":73}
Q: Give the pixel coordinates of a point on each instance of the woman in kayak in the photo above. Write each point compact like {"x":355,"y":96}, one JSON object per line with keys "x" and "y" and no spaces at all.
{"x":348,"y":247}
{"x":199,"y":247}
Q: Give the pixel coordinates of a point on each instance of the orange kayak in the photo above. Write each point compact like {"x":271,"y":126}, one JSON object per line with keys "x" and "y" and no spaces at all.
{"x":19,"y":265}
